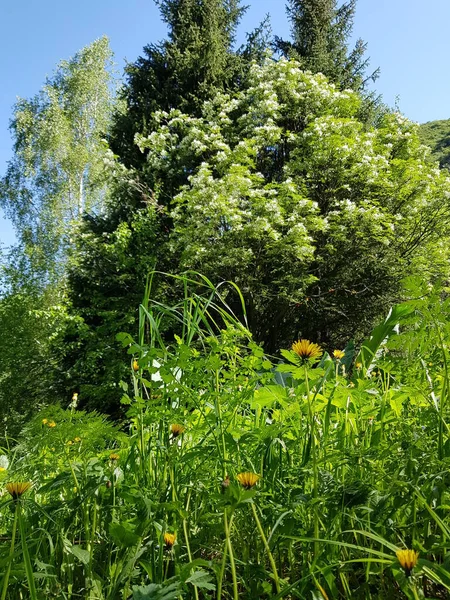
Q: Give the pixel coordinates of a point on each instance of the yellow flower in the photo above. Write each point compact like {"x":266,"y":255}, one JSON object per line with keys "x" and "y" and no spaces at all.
{"x":338,"y":354}
{"x":113,"y":456}
{"x":169,"y":539}
{"x":176,"y":429}
{"x":247,"y":479}
{"x":74,"y":396}
{"x":44,"y":421}
{"x":135,"y":365}
{"x":69,"y":443}
{"x":306,"y":350}
{"x":77,"y":439}
{"x":408,"y":559}
{"x":358,"y":365}
{"x":51,"y":424}
{"x":2,"y":469}
{"x":18,"y":488}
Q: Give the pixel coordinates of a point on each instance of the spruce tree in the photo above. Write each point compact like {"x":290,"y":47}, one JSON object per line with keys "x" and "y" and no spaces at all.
{"x":320,"y":33}
{"x":195,"y":62}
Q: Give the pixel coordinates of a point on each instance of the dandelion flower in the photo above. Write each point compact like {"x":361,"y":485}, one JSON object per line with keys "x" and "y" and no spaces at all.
{"x":248,"y":479}
{"x":135,"y":365}
{"x":338,"y":354}
{"x":169,"y":539}
{"x":18,"y":488}
{"x":307,"y":350}
{"x":176,"y":429}
{"x":408,"y":559}
{"x":113,"y":456}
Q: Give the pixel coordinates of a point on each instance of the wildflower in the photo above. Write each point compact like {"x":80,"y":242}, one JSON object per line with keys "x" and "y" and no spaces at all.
{"x":225,"y":483}
{"x":248,"y":479}
{"x":69,"y":443}
{"x":113,"y":456}
{"x":51,"y":424}
{"x":338,"y":354}
{"x":176,"y":429}
{"x":2,"y":469}
{"x":135,"y":365}
{"x":358,"y":365}
{"x":408,"y":560}
{"x":18,"y":488}
{"x":169,"y":539}
{"x":44,"y":421}
{"x":75,"y":397}
{"x":77,"y":439}
{"x":307,"y":350}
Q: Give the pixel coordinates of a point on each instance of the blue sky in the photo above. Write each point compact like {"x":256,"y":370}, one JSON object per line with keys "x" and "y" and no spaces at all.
{"x":407,"y":39}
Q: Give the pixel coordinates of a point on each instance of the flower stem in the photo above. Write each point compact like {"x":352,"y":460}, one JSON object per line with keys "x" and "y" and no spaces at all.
{"x":314,"y":461}
{"x":26,"y":555}
{"x":230,"y":552}
{"x":11,"y":552}
{"x":266,"y":546}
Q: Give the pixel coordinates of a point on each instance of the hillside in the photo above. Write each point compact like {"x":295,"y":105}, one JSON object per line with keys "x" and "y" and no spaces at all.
{"x":436,"y":134}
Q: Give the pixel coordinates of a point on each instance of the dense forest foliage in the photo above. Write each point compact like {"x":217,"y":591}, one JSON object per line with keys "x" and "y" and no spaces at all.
{"x":223,"y":350}
{"x":436,"y":135}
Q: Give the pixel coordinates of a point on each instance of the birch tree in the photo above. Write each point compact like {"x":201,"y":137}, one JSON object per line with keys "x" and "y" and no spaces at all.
{"x":57,"y":171}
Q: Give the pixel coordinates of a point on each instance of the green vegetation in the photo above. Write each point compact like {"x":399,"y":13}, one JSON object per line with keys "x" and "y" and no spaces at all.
{"x":217,"y":378}
{"x":240,"y":475}
{"x":436,"y":135}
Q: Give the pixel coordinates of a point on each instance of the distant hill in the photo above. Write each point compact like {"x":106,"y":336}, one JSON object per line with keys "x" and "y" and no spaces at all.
{"x":436,"y":134}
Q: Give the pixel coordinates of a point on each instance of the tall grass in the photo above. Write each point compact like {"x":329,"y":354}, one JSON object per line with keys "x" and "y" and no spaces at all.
{"x":346,"y":461}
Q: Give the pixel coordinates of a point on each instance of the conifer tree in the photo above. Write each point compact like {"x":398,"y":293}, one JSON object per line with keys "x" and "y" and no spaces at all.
{"x":320,"y":33}
{"x":181,"y":72}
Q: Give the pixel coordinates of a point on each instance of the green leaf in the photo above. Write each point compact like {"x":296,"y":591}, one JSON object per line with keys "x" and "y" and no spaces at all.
{"x":82,"y":555}
{"x":156,"y":591}
{"x":201,"y":579}
{"x":381,"y":334}
{"x":123,"y":535}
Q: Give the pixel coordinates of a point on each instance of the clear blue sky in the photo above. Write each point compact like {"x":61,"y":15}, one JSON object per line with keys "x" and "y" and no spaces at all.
{"x":408,"y":39}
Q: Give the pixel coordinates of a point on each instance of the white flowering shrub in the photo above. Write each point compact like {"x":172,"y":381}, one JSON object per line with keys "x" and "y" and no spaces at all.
{"x":314,"y":215}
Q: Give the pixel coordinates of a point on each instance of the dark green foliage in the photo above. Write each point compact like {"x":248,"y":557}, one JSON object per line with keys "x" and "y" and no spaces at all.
{"x":30,"y":325}
{"x":192,"y":65}
{"x":320,"y":33}
{"x":106,"y":285}
{"x":436,"y":134}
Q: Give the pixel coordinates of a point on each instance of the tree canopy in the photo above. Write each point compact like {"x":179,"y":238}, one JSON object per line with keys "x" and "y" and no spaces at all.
{"x":57,"y":172}
{"x":320,"y":34}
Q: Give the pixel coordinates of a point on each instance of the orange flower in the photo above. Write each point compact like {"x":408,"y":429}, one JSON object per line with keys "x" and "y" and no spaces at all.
{"x":169,"y":539}
{"x":307,"y":350}
{"x":248,"y":479}
{"x":18,"y":488}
